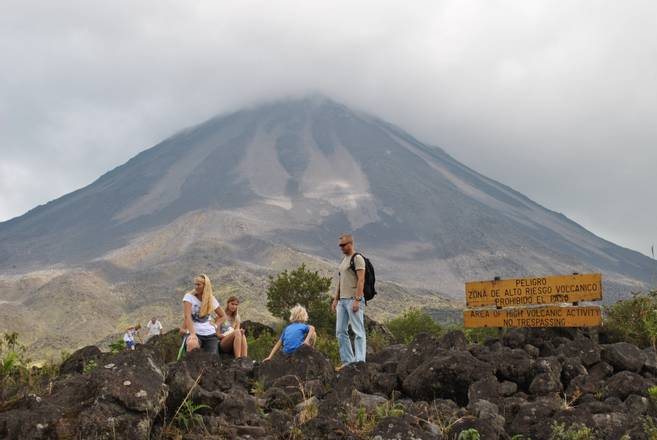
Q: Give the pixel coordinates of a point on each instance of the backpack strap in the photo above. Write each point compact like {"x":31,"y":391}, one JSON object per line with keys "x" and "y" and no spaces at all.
{"x":352,"y":264}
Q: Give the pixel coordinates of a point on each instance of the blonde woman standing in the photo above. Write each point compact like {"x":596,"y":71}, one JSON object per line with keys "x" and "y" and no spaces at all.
{"x":198,"y":305}
{"x":231,"y":336}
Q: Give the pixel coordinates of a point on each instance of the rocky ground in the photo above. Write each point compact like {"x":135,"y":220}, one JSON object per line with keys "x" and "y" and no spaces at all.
{"x":538,"y":384}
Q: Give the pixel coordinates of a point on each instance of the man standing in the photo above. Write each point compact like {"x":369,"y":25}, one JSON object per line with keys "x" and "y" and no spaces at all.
{"x":154,"y":328}
{"x":349,"y":304}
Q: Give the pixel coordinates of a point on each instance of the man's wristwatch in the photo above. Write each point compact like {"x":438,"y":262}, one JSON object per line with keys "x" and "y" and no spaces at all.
{"x":358,"y":299}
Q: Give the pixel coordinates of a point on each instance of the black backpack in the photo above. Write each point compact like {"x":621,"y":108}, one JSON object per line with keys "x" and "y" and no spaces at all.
{"x":368,"y":288}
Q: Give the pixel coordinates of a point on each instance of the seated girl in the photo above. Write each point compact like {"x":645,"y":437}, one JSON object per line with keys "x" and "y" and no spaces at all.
{"x":198,"y":304}
{"x":296,"y":334}
{"x":231,"y":336}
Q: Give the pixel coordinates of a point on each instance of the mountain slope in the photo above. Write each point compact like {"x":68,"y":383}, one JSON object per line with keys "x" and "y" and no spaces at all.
{"x":299,"y":172}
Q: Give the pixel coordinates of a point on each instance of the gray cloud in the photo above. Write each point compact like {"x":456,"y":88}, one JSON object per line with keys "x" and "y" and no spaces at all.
{"x":554,"y":100}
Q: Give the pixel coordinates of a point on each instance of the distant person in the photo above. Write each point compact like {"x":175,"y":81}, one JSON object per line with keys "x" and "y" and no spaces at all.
{"x":198,"y":305}
{"x":349,"y":304}
{"x":296,"y":334}
{"x":231,"y":336}
{"x":129,"y":338}
{"x":154,"y":328}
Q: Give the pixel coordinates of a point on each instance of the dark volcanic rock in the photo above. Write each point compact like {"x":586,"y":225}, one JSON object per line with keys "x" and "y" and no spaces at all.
{"x":77,"y":361}
{"x":167,"y":344}
{"x":446,"y":376}
{"x":404,"y":427}
{"x":306,"y":363}
{"x":622,"y":384}
{"x":423,"y":348}
{"x":582,"y":348}
{"x":119,"y":398}
{"x":453,"y":340}
{"x":624,"y":357}
{"x":326,"y":427}
{"x":255,"y":329}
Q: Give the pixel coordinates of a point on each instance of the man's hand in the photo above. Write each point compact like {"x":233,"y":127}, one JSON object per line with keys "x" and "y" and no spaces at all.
{"x":355,"y":306}
{"x":334,"y":305}
{"x":267,"y":359}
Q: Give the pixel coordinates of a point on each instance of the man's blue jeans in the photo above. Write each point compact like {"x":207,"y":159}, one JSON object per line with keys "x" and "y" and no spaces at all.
{"x":346,"y":317}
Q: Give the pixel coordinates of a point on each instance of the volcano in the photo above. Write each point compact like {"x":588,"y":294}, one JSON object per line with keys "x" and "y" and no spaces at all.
{"x":300,"y":172}
{"x":287,"y":177}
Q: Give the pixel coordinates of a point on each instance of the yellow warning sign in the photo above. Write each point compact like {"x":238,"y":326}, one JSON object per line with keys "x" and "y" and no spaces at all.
{"x":549,"y":316}
{"x":534,"y":291}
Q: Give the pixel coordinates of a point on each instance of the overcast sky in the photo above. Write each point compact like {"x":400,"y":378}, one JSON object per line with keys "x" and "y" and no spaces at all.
{"x":555,"y":99}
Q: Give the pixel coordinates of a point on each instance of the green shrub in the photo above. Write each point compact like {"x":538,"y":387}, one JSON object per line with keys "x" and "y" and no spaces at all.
{"x":17,"y":376}
{"x":89,"y":366}
{"x":260,"y":347}
{"x":303,"y":287}
{"x":652,"y":394}
{"x":328,"y":345}
{"x":13,"y":356}
{"x":377,"y":341}
{"x":188,"y":416}
{"x":469,"y":434}
{"x":117,"y":346}
{"x":412,"y":322}
{"x":575,"y":431}
{"x":634,"y":320}
{"x":650,"y":428}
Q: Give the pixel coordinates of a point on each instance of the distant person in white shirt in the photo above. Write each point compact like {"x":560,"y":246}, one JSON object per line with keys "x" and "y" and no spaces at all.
{"x":154,"y":328}
{"x":198,"y":305}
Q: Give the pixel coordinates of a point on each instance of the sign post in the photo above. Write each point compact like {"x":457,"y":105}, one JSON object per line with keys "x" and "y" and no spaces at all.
{"x":530,"y":302}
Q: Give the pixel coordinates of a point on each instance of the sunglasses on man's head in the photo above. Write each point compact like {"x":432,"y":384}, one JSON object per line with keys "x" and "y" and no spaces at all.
{"x":344,"y":244}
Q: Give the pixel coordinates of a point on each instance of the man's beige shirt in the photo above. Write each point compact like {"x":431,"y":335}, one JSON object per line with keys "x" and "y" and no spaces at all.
{"x":348,"y":278}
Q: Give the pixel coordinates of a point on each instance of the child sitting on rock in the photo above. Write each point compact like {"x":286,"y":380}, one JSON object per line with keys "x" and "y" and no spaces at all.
{"x":296,"y":334}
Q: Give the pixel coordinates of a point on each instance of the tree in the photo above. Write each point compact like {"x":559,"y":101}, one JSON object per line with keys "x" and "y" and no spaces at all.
{"x":303,"y":287}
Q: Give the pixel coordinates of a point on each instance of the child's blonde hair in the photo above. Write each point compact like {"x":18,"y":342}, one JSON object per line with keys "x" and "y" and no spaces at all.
{"x":298,"y":314}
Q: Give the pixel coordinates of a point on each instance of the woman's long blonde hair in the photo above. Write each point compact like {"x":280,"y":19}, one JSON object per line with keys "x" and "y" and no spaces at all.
{"x":207,"y":299}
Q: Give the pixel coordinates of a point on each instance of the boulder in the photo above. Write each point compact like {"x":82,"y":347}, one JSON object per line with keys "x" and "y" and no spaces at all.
{"x":490,"y":389}
{"x":388,"y":357}
{"x":167,"y":344}
{"x":544,"y":384}
{"x":76,"y":362}
{"x":624,"y":357}
{"x":423,"y":348}
{"x":515,"y":338}
{"x":582,"y":348}
{"x":255,"y":329}
{"x":216,"y":379}
{"x":453,"y":340}
{"x":571,"y":368}
{"x":530,"y":418}
{"x":355,"y":376}
{"x":489,"y":412}
{"x":306,"y":363}
{"x":448,"y":376}
{"x":484,"y":427}
{"x":404,"y":427}
{"x":650,"y":365}
{"x":117,"y":399}
{"x":328,"y":427}
{"x":625,"y":383}
{"x":637,"y":405}
{"x":513,"y":365}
